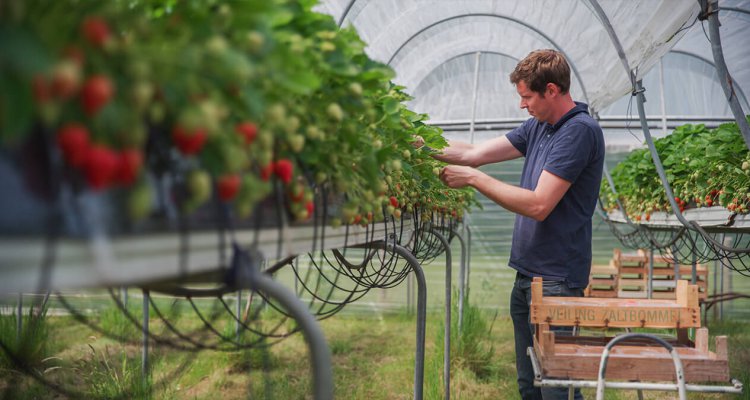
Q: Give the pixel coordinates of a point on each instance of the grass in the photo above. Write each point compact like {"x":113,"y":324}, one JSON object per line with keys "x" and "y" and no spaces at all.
{"x":372,"y":354}
{"x":372,"y":349}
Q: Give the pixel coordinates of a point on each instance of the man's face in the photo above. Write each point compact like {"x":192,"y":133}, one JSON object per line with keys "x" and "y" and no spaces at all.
{"x":536,"y":105}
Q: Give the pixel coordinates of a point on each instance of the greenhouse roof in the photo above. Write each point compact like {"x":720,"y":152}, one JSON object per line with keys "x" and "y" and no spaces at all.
{"x":433,"y":45}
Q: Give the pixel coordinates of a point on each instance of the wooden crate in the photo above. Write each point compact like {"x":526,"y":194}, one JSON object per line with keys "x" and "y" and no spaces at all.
{"x":573,"y":358}
{"x":578,"y":357}
{"x":602,"y":281}
{"x":683,"y":312}
{"x":632,"y":278}
{"x":632,"y":281}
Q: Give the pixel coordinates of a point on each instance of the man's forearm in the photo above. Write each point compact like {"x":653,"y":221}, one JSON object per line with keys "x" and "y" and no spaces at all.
{"x":457,"y":153}
{"x":513,"y":198}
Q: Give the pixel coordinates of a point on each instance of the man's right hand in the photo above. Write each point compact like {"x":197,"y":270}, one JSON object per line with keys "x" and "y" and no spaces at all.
{"x":417,"y":142}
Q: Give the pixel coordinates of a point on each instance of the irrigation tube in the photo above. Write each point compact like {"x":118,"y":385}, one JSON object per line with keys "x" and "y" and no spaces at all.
{"x":447,"y":341}
{"x":711,"y":7}
{"x":421,"y":309}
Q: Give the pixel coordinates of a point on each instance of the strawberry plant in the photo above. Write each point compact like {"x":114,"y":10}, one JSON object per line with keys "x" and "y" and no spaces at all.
{"x":705,"y":168}
{"x":245,"y":94}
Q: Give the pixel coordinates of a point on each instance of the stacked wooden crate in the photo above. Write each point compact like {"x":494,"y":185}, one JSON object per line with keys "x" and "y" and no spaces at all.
{"x":578,"y":357}
{"x":632,"y":274}
{"x":603,"y":280}
{"x":626,"y":277}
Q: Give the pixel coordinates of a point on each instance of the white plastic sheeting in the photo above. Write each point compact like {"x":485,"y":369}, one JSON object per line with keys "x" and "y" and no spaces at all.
{"x":431,"y":44}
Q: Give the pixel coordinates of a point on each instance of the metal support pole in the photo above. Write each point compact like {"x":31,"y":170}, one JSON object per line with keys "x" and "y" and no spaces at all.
{"x":650,"y":280}
{"x":679,"y":373}
{"x":144,"y":354}
{"x":468,"y":260}
{"x":320,"y":353}
{"x":421,"y":310}
{"x":711,"y":7}
{"x":474,"y":98}
{"x":19,"y":319}
{"x":447,"y":341}
{"x":661,"y":98}
{"x":409,"y":296}
{"x":237,"y":321}
{"x":461,"y":281}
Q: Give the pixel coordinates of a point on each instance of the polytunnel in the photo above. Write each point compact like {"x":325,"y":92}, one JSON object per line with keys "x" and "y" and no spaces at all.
{"x":208,"y":178}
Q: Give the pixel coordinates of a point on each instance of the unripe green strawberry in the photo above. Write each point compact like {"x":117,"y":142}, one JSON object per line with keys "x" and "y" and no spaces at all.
{"x":217,"y":45}
{"x":66,"y":79}
{"x":335,"y":112}
{"x":291,"y":124}
{"x":297,"y":142}
{"x":335,"y":223}
{"x":406,"y":154}
{"x":255,"y":41}
{"x":327,"y":47}
{"x":199,"y":186}
{"x":140,"y":200}
{"x":141,"y":93}
{"x":355,"y":88}
{"x":377,"y":144}
{"x":313,"y":132}
{"x":276,"y":113}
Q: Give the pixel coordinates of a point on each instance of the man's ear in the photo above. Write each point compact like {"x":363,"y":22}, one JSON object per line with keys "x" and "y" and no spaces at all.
{"x":552,"y":89}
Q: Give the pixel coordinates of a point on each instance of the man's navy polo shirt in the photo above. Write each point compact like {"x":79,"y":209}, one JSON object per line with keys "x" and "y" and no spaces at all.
{"x":559,"y":248}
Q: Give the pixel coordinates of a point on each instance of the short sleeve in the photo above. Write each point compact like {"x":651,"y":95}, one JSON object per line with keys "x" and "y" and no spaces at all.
{"x":519,"y":137}
{"x":571,"y":152}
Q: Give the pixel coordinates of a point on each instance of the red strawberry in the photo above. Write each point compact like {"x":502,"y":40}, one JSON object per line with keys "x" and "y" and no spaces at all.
{"x":41,"y":88}
{"x":228,"y":186}
{"x":310,"y":206}
{"x":96,"y":31}
{"x":96,"y":93}
{"x":284,"y":170}
{"x":394,"y":201}
{"x":297,"y":192}
{"x":73,"y":140}
{"x":248,"y":131}
{"x":265,"y":172}
{"x":101,"y":166}
{"x":189,"y":142}
{"x":74,"y":54}
{"x":129,"y":163}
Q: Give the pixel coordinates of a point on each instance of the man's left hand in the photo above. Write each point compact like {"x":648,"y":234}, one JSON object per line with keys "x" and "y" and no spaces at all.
{"x":457,"y":176}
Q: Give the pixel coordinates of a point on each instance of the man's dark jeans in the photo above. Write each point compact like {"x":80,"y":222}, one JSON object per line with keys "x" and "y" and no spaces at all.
{"x":523,"y":330}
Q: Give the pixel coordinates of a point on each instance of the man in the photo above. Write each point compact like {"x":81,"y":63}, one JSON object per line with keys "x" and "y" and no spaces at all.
{"x":563,"y":148}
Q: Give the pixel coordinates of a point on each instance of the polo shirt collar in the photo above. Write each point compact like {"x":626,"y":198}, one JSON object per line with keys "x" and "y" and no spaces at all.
{"x":579,"y":108}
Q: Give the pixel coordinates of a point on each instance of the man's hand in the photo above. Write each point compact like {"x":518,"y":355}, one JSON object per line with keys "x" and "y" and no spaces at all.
{"x":457,"y":176}
{"x":417,"y":142}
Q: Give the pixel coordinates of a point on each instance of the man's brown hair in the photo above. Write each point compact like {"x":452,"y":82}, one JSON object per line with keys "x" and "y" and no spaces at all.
{"x":541,"y":67}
